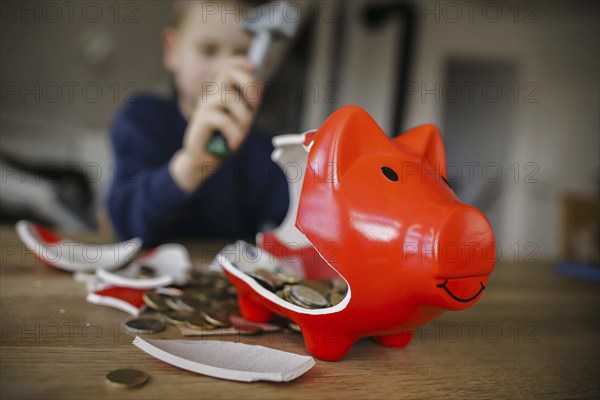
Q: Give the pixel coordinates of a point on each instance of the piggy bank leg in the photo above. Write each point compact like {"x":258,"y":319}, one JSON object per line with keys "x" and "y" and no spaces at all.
{"x":253,"y":311}
{"x":396,"y":340}
{"x":326,"y":346}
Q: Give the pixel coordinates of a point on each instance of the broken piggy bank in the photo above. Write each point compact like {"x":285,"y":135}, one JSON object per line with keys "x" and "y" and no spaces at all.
{"x":395,"y":231}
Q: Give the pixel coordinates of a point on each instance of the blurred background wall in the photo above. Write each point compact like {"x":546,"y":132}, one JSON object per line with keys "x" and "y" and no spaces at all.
{"x":513,"y":86}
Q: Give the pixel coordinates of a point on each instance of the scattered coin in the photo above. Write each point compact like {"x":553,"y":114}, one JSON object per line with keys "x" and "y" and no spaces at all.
{"x":217,"y":318}
{"x":126,"y":378}
{"x":176,"y":317}
{"x":196,"y":321}
{"x":156,"y":301}
{"x":207,"y":303}
{"x":192,"y":303}
{"x":145,"y":325}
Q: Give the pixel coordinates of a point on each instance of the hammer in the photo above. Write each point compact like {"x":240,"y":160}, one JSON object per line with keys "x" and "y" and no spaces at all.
{"x":270,"y":21}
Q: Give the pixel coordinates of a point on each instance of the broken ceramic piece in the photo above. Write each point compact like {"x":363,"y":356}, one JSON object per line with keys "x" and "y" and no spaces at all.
{"x":125,"y":299}
{"x":249,"y":258}
{"x":228,"y":360}
{"x":69,"y":255}
{"x":170,"y":264}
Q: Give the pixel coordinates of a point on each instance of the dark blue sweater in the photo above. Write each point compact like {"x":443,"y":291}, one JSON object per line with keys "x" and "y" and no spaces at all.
{"x":246,"y":194}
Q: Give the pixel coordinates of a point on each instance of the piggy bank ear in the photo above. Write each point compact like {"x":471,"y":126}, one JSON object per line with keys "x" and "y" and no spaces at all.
{"x":348,"y":134}
{"x":426,"y":141}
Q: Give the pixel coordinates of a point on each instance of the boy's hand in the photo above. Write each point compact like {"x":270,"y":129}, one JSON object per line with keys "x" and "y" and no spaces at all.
{"x":230,"y":112}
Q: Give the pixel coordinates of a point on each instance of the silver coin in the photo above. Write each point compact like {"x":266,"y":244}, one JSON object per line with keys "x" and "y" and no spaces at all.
{"x":275,"y":281}
{"x":308,"y":296}
{"x":126,"y":378}
{"x":176,"y":304}
{"x":286,"y":295}
{"x":145,"y":325}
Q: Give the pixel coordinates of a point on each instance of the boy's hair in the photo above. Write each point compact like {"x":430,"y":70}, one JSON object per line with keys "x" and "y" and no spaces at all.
{"x":182,"y":7}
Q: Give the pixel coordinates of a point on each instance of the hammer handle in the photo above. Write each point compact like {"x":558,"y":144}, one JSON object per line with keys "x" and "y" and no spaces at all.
{"x":217,"y":144}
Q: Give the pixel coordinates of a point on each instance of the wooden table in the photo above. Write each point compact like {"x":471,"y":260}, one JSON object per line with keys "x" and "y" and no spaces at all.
{"x":533,"y":335}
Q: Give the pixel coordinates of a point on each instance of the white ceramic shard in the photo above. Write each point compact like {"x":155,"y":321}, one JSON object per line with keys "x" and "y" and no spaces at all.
{"x":291,"y":154}
{"x":228,"y":360}
{"x":171,"y":263}
{"x":286,"y":241}
{"x":248,"y":258}
{"x":73,"y":256}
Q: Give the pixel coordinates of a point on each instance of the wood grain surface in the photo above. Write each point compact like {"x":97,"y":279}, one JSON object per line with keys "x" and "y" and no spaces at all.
{"x":533,"y":335}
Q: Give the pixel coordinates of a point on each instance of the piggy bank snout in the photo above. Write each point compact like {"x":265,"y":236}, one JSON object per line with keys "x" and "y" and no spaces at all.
{"x":466,"y":244}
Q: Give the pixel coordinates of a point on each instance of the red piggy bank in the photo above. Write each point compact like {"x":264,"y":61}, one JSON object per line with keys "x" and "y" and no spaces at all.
{"x":406,"y":246}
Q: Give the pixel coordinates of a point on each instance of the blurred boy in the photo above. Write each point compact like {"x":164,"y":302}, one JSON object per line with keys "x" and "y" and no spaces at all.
{"x":166,"y":184}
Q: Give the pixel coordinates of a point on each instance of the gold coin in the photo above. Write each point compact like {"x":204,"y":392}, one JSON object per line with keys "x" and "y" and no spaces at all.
{"x":176,"y":317}
{"x":294,"y":327}
{"x":170,"y":291}
{"x":216,"y":318}
{"x":288,"y":279}
{"x":126,"y":378}
{"x":198,"y":322}
{"x":280,"y":294}
{"x":335,"y":298}
{"x":156,"y":301}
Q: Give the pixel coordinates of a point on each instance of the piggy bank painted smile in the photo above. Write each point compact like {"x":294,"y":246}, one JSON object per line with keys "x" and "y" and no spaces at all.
{"x":393,"y":228}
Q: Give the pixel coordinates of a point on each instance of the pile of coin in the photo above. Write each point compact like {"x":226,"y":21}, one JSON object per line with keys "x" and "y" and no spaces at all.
{"x":208,"y":301}
{"x":205,"y":303}
{"x":311,"y":294}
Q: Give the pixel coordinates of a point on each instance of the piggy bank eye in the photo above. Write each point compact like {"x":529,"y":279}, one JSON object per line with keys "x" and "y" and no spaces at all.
{"x":390,"y":174}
